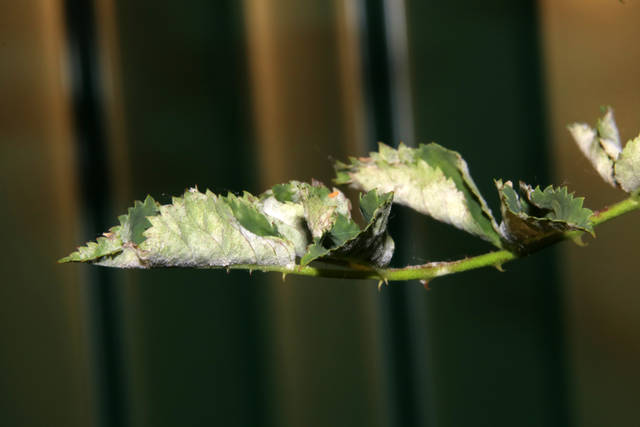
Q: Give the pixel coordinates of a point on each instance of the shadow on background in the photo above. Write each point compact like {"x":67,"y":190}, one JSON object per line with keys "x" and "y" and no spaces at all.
{"x":108,"y":100}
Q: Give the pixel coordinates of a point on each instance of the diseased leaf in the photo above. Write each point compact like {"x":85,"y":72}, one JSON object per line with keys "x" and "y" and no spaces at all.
{"x":201,"y":230}
{"x":608,"y":135}
{"x":345,"y":240}
{"x":627,"y":167}
{"x":128,"y":233}
{"x":207,"y":230}
{"x":589,"y":144}
{"x":108,"y":244}
{"x":602,"y":147}
{"x":322,"y":207}
{"x":430,"y":179}
{"x":289,"y":219}
{"x":540,"y":214}
{"x":249,"y":217}
{"x":135,"y":222}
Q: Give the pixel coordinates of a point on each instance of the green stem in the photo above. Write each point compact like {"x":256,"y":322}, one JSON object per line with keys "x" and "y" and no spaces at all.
{"x":428,"y":271}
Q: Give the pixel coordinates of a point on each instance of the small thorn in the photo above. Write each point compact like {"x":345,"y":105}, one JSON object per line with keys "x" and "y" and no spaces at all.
{"x":499,"y":268}
{"x":380,"y":282}
{"x":250,"y":271}
{"x":425,"y":283}
{"x":228,"y":270}
{"x":284,"y":276}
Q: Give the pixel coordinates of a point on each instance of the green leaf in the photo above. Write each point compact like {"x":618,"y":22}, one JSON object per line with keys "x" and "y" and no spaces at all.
{"x":202,"y":230}
{"x":135,"y":222}
{"x":345,"y":240}
{"x":249,"y":217}
{"x":286,"y":192}
{"x":430,"y":179}
{"x":109,"y":244}
{"x":627,"y":168}
{"x":540,"y":214}
{"x":608,"y":135}
{"x":602,"y":147}
{"x":322,"y":207}
{"x":128,"y":233}
{"x":207,"y":230}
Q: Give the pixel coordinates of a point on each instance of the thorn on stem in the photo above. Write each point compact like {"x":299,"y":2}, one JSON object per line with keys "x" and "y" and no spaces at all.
{"x":425,"y":283}
{"x":284,"y":276}
{"x":499,"y":268}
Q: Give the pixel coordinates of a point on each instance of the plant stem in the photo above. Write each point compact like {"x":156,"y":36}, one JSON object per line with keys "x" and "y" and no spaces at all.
{"x":430,"y":270}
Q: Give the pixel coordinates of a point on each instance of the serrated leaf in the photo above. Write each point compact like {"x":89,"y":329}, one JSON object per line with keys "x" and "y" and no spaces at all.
{"x":588,"y":142}
{"x":128,"y":233}
{"x":430,"y":179}
{"x":602,"y":147}
{"x":627,"y":167}
{"x":104,"y":245}
{"x":608,"y":135}
{"x":135,"y":222}
{"x":249,"y":217}
{"x":207,"y":230}
{"x":345,"y":240}
{"x":201,"y":230}
{"x":322,"y":207}
{"x":540,"y":214}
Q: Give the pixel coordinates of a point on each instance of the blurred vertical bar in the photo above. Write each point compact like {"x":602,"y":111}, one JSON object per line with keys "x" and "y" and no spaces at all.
{"x":592,"y":58}
{"x":194,"y":338}
{"x":309,"y":108}
{"x":495,"y":340}
{"x":390,"y":120}
{"x":93,"y":162}
{"x":44,"y":356}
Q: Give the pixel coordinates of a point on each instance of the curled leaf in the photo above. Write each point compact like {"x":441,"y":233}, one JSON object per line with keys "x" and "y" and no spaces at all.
{"x":627,"y":167}
{"x":207,"y":230}
{"x":602,"y":147}
{"x":539,"y":214}
{"x":431,"y":179}
{"x":128,"y":234}
{"x":345,"y":240}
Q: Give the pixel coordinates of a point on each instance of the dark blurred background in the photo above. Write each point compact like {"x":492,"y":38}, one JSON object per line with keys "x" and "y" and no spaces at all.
{"x":105,"y":101}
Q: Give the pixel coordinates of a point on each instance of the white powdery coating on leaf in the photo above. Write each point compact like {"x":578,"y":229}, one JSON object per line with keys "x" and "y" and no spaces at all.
{"x":628,"y":166}
{"x":422,"y":188}
{"x":609,"y":136}
{"x":321,"y":212}
{"x":289,"y":219}
{"x":589,"y":144}
{"x":201,"y":231}
{"x":128,"y":258}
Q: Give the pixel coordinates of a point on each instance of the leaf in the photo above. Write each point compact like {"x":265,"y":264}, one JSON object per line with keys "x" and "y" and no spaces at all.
{"x":345,"y":240}
{"x":608,"y":135}
{"x":602,"y":147}
{"x":540,"y":214}
{"x":201,"y":230}
{"x":431,"y":179}
{"x":207,"y":230}
{"x":627,"y":168}
{"x":198,"y":230}
{"x":129,"y":232}
{"x":322,"y":207}
{"x":249,"y":217}
{"x":135,"y":222}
